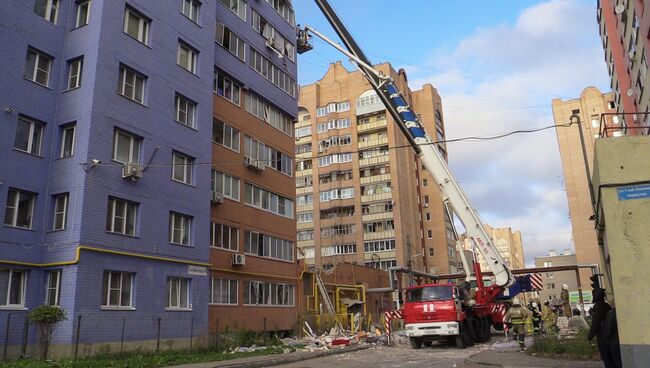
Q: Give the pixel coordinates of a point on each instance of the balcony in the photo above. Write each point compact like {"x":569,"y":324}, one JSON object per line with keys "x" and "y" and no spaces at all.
{"x":306,"y":172}
{"x":385,"y":254}
{"x":304,"y":190}
{"x":303,"y":140}
{"x":304,"y":155}
{"x":375,"y":179}
{"x":304,"y":208}
{"x":373,"y":142}
{"x":305,"y":243}
{"x":375,"y":125}
{"x":376,"y":197}
{"x":304,"y":225}
{"x":377,"y":216}
{"x":613,"y":125}
{"x":379,"y":235}
{"x":302,"y":123}
{"x":377,"y":160}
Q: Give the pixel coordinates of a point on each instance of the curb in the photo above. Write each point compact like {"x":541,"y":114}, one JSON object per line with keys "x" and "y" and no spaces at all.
{"x":290,"y":358}
{"x":471,"y":359}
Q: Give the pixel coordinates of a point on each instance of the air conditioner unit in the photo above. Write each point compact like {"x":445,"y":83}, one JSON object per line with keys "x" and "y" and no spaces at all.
{"x":238,"y":260}
{"x":260,"y":165}
{"x":132,"y":171}
{"x":216,"y":198}
{"x":248,"y":161}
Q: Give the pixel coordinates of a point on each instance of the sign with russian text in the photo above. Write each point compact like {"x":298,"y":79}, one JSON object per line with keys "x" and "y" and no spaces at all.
{"x":197,"y":270}
{"x":634,"y":192}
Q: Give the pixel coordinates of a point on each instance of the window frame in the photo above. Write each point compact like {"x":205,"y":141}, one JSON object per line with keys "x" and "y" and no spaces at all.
{"x":106,"y":290}
{"x":134,"y":141}
{"x":235,"y":44}
{"x":185,"y":228}
{"x":75,"y":65}
{"x":192,"y":56}
{"x":130,"y":212}
{"x":65,"y":132}
{"x":80,"y":5}
{"x":217,"y":236}
{"x":182,"y":282}
{"x":234,"y":135}
{"x":193,"y":10}
{"x":16,"y":209}
{"x":136,"y":78}
{"x":224,"y":178}
{"x":56,"y":288}
{"x":51,"y":8}
{"x":187,"y":167}
{"x":38,"y":55}
{"x":190,"y":111}
{"x":229,"y":296}
{"x":34,"y":135}
{"x":142,"y":33}
{"x":237,"y":12}
{"x":58,"y":212}
{"x":227,"y":86}
{"x":23,"y":289}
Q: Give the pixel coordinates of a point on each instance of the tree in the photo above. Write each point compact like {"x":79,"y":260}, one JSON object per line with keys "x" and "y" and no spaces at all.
{"x":46,"y":317}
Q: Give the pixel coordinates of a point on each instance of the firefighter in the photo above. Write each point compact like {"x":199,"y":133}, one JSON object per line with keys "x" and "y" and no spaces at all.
{"x":516,"y":319}
{"x":566,"y":304}
{"x":548,"y":317}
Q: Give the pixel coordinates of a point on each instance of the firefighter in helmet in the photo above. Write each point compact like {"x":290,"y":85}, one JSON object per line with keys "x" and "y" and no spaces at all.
{"x":516,"y":319}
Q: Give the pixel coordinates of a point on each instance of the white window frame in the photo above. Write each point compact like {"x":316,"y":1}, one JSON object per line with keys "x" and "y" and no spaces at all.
{"x":175,"y":300}
{"x":13,"y":209}
{"x":191,"y":59}
{"x":81,"y":20}
{"x":56,"y":288}
{"x":187,"y":168}
{"x":259,"y":293}
{"x":51,"y":10}
{"x":37,"y":69}
{"x":60,"y":217}
{"x":218,"y":234}
{"x":233,"y":135}
{"x":129,"y":214}
{"x":227,"y":88}
{"x":181,"y":225}
{"x":191,"y":9}
{"x":233,"y":43}
{"x":35,"y":138}
{"x":216,"y":297}
{"x":131,"y":78}
{"x":107,"y":302}
{"x":142,"y":33}
{"x":236,"y":7}
{"x":75,"y":73}
{"x":134,"y":147}
{"x":229,"y":185}
{"x":23,"y":285}
{"x":70,"y":131}
{"x":185,"y":111}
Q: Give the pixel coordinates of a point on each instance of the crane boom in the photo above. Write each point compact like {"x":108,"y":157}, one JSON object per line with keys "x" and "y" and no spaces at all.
{"x":423,"y":145}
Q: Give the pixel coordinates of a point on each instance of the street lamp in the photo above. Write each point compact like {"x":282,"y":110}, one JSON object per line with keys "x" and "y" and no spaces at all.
{"x":575,"y":119}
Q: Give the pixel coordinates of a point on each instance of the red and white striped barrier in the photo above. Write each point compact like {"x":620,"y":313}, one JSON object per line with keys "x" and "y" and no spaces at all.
{"x":536,"y":281}
{"x":389,"y":316}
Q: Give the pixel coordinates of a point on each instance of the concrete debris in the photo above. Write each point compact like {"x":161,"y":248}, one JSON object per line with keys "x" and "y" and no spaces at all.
{"x":337,"y":338}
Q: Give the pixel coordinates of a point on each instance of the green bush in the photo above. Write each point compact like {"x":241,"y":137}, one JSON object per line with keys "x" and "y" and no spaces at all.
{"x":577,"y":347}
{"x":46,"y":317}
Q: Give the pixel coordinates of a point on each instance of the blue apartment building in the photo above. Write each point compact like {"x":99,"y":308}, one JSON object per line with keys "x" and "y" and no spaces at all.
{"x":105,"y":151}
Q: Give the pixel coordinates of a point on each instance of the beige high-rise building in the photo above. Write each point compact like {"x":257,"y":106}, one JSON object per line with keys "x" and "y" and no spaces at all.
{"x":361,"y":190}
{"x":508,"y":243}
{"x":589,"y":107}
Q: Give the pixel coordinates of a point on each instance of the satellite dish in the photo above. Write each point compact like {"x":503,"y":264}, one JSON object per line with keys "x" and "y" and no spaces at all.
{"x":619,"y":9}
{"x":630,"y":92}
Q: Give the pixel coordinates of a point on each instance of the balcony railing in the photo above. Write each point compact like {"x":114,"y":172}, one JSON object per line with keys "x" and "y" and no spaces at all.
{"x":374,"y":160}
{"x":375,"y":178}
{"x":379,"y":235}
{"x":376,"y":197}
{"x":373,"y":142}
{"x":377,"y":216}
{"x":372,"y":126}
{"x":618,"y":124}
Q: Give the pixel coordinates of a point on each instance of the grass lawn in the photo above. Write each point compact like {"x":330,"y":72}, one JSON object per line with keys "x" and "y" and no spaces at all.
{"x":138,"y":360}
{"x":577,"y":348}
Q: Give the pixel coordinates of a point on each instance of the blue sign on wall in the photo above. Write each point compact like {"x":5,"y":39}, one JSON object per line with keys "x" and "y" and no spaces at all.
{"x":634,"y":192}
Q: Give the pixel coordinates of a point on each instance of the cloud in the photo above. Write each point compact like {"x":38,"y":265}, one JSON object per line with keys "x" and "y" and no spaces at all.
{"x":503,"y":78}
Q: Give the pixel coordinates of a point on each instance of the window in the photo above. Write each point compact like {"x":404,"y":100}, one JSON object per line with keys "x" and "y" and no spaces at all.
{"x":83,"y":13}
{"x":267,"y":246}
{"x":74,"y":73}
{"x":180,"y":227}
{"x":224,"y":236}
{"x":273,"y":73}
{"x":426,"y":200}
{"x":185,"y":110}
{"x":339,"y":250}
{"x":305,"y":235}
{"x":236,"y":6}
{"x":12,"y":288}
{"x":53,"y":288}
{"x":304,"y":181}
{"x":378,"y":226}
{"x":333,"y":107}
{"x":425,"y":182}
{"x":136,"y":25}
{"x":379,"y":245}
{"x":29,"y":135}
{"x":429,"y":234}
{"x":223,"y":291}
{"x":226,"y":88}
{"x":230,"y":41}
{"x":191,"y":9}
{"x":19,"y":210}
{"x":131,"y":84}
{"x":430,"y":252}
{"x":178,"y":293}
{"x":305,"y":199}
{"x":60,"y":211}
{"x":382,"y":265}
{"x":121,"y":216}
{"x":225,"y":135}
{"x":305,"y":217}
{"x":187,"y":57}
{"x":274,"y":39}
{"x":336,"y":193}
{"x":48,"y":9}
{"x":257,"y":151}
{"x":268,"y":201}
{"x":67,"y":140}
{"x":182,"y":166}
{"x":303,"y":132}
{"x":267,"y":113}
{"x":225,"y":184}
{"x":266,"y":293}
{"x":338,"y":230}
{"x":333,"y":159}
{"x":548,"y":264}
{"x":427,"y":216}
{"x":284,"y":8}
{"x":126,"y":147}
{"x":37,"y":67}
{"x":116,"y":289}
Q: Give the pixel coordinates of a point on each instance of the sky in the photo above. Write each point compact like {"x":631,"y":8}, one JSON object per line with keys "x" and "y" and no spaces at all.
{"x":497,"y":66}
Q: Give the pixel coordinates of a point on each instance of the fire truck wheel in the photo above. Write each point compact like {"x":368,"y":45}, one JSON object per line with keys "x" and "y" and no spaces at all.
{"x":427,"y":344}
{"x":416,"y":342}
{"x":480,"y":328}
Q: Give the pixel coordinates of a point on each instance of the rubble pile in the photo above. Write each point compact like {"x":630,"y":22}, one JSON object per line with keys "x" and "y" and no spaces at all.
{"x":334,"y":338}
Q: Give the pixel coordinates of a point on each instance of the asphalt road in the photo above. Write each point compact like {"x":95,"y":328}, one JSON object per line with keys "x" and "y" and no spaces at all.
{"x":442,"y":356}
